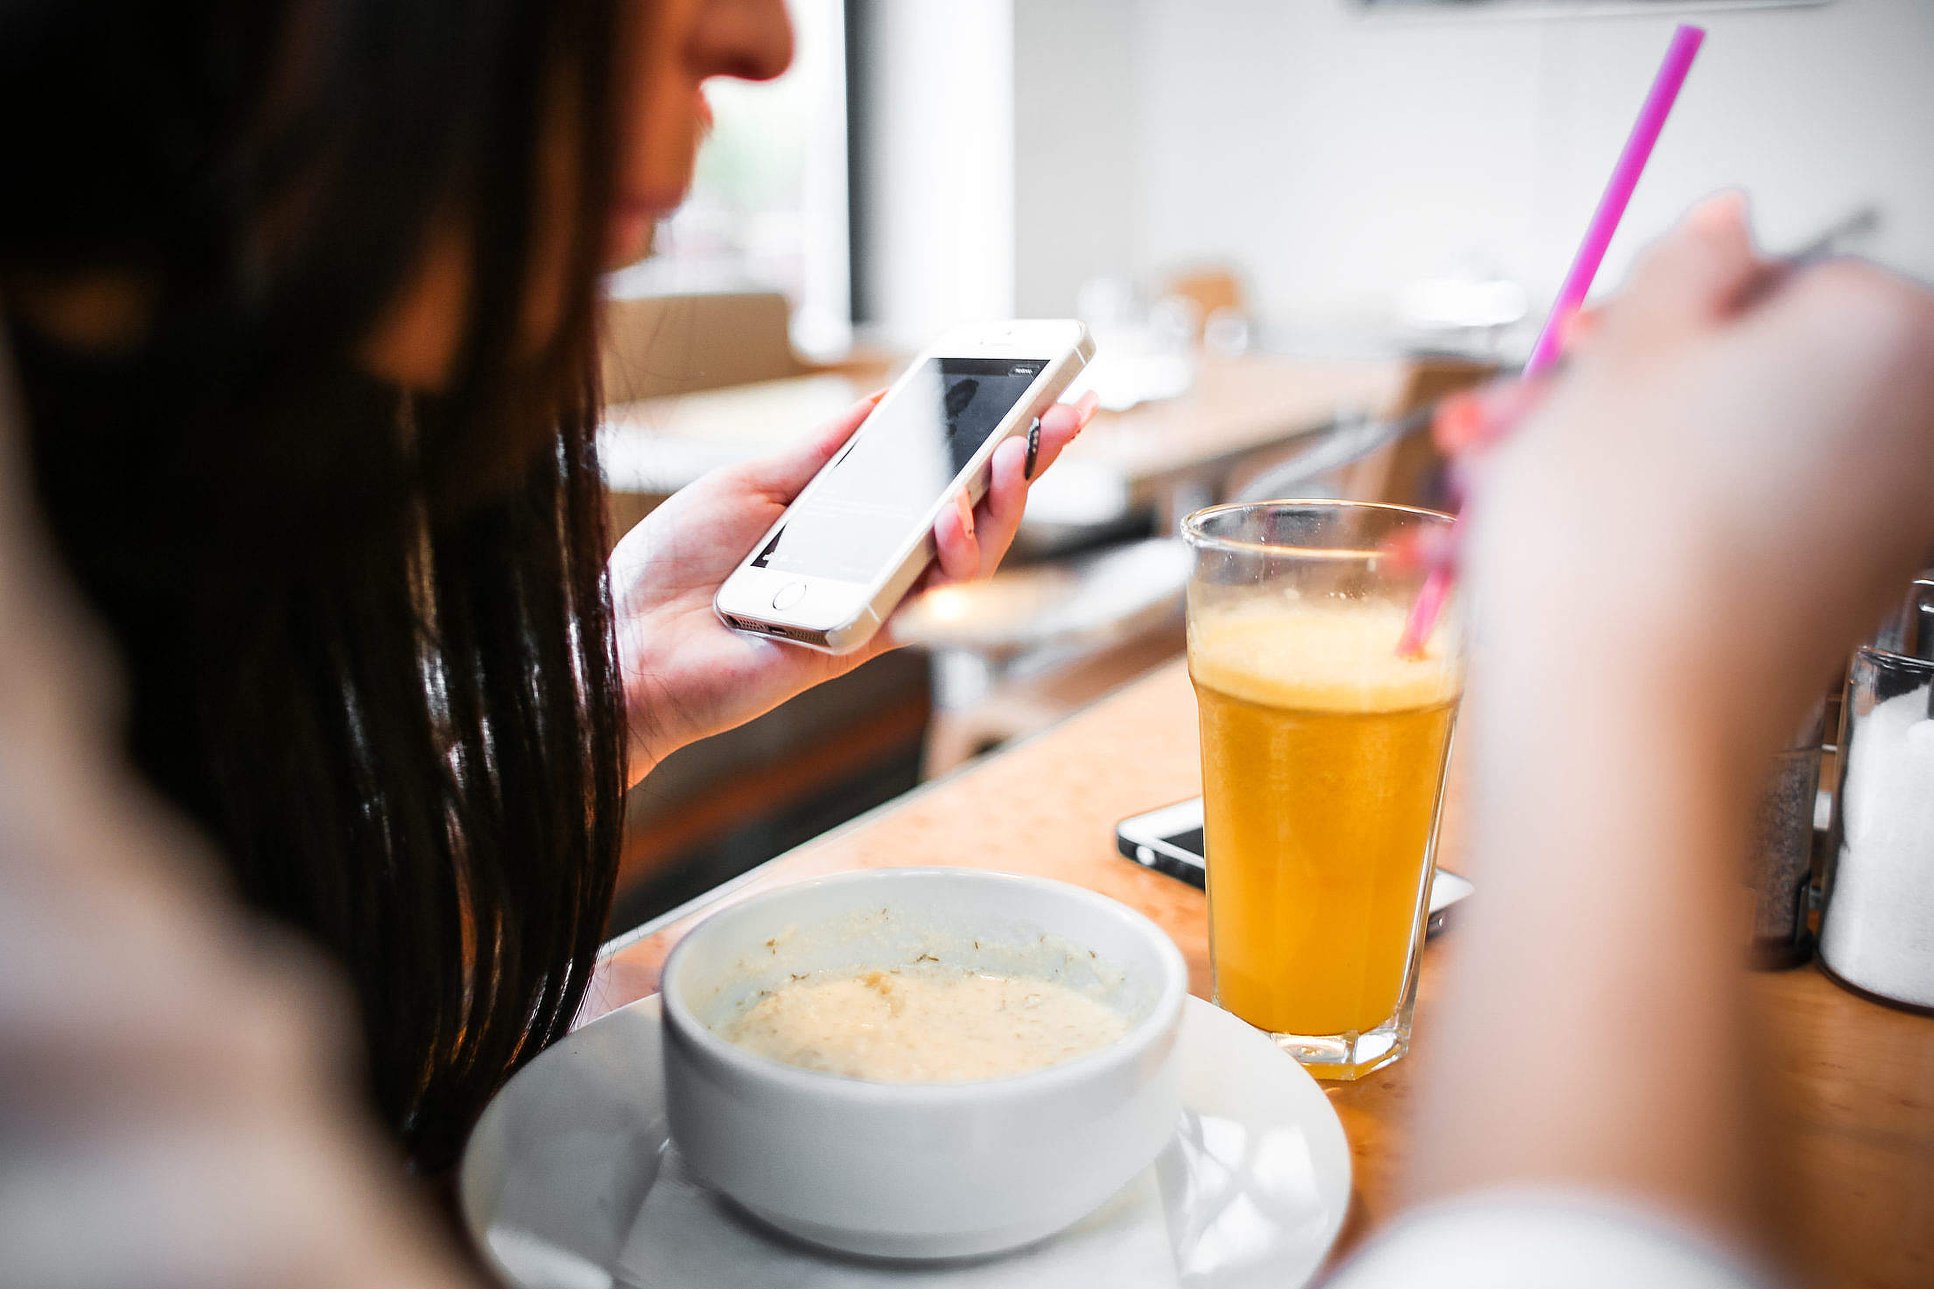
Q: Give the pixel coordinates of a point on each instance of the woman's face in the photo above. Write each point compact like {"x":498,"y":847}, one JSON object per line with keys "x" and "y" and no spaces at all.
{"x":669,"y":50}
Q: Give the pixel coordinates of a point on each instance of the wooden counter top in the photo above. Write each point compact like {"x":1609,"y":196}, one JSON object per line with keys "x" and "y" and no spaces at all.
{"x":1854,"y":1080}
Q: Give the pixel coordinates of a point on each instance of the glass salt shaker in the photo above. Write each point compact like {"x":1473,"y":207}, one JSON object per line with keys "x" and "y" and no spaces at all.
{"x":1877,"y":923}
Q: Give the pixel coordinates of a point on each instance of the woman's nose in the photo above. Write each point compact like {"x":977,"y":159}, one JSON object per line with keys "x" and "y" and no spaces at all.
{"x":747,"y":39}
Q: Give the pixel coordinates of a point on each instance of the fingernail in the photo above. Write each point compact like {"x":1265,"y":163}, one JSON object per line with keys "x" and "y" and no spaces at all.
{"x":1420,"y":548}
{"x":1577,"y":329}
{"x":1088,"y":405}
{"x":1722,"y":210}
{"x":1401,"y":550}
{"x":1480,"y":418}
{"x":1459,"y":423}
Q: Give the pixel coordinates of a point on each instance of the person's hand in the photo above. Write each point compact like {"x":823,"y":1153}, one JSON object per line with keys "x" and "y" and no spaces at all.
{"x":1689,"y":525}
{"x":1731,"y":480}
{"x":686,"y":674}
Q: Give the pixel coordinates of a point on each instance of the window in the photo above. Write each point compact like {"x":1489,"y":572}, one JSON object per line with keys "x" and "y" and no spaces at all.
{"x":767,"y":210}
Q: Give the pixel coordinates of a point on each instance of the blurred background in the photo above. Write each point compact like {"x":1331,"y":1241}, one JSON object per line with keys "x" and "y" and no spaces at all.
{"x":1291,"y":224}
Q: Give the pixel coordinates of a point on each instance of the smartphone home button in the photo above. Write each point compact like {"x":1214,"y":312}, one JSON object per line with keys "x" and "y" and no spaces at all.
{"x":789,"y":595}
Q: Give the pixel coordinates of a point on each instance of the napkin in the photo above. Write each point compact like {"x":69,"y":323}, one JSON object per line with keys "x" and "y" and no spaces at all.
{"x":686,"y":1235}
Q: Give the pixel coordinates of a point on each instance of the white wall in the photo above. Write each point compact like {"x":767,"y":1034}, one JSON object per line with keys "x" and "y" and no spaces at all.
{"x":1335,"y":156}
{"x":822,"y":323}
{"x":940,"y":166}
{"x":1078,"y":147}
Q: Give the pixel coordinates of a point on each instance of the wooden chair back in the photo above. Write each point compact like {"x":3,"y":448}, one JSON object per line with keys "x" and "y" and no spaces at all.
{"x":1411,"y":471}
{"x":1211,"y":289}
{"x":651,"y":346}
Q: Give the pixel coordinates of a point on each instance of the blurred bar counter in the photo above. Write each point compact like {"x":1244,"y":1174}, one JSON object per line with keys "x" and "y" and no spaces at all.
{"x":1149,"y":455}
{"x":1853,"y":1081}
{"x":716,"y":809}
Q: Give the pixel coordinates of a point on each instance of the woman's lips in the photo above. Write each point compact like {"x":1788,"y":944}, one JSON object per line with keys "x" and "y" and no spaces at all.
{"x":649,"y":207}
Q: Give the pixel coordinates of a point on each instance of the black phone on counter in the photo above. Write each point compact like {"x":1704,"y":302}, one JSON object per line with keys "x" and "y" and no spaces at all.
{"x":1169,"y":840}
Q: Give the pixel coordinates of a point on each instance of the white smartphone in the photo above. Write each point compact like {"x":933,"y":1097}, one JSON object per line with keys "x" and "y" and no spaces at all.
{"x":1169,"y":840}
{"x":834,"y":567}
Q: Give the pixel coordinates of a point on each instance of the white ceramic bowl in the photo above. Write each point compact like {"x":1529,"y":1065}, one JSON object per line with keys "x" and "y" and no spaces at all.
{"x":922,"y":1170}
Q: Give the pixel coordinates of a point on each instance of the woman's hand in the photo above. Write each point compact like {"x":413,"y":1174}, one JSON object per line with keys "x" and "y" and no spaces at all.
{"x":1728,"y":482}
{"x":686,"y":674}
{"x":1735,"y":472}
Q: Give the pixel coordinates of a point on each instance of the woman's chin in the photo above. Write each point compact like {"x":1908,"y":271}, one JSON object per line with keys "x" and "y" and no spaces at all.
{"x":628,"y":239}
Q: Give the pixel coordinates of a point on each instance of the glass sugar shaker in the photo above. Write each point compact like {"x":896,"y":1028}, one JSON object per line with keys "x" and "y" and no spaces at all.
{"x":1877,"y":923}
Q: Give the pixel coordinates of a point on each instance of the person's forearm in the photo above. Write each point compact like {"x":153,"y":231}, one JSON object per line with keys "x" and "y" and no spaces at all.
{"x":1594,"y":1035}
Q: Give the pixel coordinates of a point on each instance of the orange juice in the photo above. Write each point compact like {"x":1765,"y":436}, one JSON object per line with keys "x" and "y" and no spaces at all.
{"x":1322,"y":760}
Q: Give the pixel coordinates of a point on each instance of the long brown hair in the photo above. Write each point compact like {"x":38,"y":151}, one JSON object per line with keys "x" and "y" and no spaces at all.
{"x":367,"y":633}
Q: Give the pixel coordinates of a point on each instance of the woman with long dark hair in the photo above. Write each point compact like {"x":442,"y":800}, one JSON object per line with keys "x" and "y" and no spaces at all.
{"x":171,"y":1094}
{"x":301,"y":294}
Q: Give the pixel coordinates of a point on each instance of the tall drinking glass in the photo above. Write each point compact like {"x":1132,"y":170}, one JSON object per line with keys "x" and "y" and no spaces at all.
{"x":1323,"y":756}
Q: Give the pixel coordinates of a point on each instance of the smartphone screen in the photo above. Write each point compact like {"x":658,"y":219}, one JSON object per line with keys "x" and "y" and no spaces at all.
{"x":912,"y":450}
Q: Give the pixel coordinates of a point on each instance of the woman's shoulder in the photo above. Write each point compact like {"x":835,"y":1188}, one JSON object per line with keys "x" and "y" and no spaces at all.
{"x":178,"y":1060}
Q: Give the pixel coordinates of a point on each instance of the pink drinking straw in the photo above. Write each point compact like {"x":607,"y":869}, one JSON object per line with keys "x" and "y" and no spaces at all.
{"x":1584,"y":267}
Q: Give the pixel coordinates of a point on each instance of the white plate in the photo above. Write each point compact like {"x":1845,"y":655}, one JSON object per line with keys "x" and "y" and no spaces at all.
{"x":570,"y":1182}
